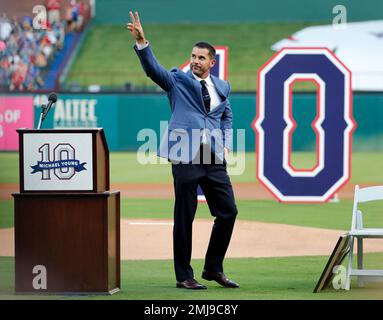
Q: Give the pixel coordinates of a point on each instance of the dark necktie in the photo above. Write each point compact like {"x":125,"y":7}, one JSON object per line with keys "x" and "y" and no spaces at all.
{"x":205,"y":96}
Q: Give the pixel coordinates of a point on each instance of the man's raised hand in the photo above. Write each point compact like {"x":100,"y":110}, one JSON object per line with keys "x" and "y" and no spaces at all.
{"x":136,"y":29}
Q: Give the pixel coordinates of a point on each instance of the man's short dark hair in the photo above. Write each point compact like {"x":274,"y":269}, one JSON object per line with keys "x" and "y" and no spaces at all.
{"x":206,"y":45}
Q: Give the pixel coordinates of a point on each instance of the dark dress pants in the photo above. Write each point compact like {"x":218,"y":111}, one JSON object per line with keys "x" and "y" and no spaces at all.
{"x":216,"y":185}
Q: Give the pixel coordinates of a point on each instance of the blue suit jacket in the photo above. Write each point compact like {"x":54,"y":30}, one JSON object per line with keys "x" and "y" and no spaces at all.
{"x":183,"y":137}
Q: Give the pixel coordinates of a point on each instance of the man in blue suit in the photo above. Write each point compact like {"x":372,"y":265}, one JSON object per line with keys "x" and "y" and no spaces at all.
{"x":198,"y":139}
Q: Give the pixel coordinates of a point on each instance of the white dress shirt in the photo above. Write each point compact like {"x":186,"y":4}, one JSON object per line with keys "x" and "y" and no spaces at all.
{"x":142,"y":46}
{"x":215,"y":99}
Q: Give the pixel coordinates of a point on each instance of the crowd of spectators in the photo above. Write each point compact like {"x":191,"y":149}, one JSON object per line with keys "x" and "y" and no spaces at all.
{"x":26,"y":52}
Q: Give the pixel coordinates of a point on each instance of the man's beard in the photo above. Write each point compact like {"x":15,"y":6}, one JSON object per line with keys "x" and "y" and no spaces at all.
{"x":196,"y":70}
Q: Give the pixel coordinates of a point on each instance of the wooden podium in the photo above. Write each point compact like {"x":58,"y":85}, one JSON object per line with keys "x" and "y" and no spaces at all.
{"x":67,"y":222}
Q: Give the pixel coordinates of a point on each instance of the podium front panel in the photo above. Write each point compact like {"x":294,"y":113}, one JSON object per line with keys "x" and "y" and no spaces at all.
{"x":73,"y":239}
{"x":58,"y":161}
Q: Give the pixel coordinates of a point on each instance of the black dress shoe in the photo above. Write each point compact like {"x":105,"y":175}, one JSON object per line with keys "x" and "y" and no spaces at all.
{"x":190,"y":284}
{"x":220,"y":278}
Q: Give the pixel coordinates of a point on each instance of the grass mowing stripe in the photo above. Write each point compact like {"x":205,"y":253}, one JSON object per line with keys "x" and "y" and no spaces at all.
{"x":328,"y":215}
{"x":260,"y":278}
{"x":6,"y":214}
{"x":366,"y":168}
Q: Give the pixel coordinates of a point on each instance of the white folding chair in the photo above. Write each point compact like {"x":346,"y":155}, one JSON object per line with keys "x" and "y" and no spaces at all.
{"x":358,"y":232}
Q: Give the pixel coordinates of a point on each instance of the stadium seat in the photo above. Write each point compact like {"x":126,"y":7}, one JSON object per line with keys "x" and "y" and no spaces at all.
{"x":359,"y":232}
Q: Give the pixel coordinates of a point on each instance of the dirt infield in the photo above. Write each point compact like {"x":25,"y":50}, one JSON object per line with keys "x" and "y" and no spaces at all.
{"x":243,"y":191}
{"x":152,"y":239}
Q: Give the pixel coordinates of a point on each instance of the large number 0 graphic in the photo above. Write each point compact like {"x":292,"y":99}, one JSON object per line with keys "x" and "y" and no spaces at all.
{"x":333,"y":125}
{"x":63,"y":151}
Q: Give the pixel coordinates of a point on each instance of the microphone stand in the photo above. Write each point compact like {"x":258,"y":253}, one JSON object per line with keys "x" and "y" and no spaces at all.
{"x":42,"y":116}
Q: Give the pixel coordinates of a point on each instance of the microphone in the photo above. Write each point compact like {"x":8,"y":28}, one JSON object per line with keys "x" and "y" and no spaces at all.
{"x":45,"y":109}
{"x":51,"y":100}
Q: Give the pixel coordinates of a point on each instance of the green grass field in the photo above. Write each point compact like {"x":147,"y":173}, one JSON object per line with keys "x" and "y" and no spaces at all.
{"x":260,"y":278}
{"x":329,"y":216}
{"x":108,"y":51}
{"x":366,"y":168}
